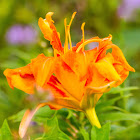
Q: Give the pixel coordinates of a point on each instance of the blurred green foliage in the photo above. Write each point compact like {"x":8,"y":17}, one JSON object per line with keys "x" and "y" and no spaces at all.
{"x":118,"y":110}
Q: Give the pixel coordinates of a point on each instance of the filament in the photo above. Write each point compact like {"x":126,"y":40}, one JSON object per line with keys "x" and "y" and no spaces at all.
{"x":87,"y":42}
{"x":83,"y":34}
{"x":66,"y":36}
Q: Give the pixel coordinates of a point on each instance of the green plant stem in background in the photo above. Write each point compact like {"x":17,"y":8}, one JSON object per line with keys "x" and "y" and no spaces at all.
{"x":124,"y":100}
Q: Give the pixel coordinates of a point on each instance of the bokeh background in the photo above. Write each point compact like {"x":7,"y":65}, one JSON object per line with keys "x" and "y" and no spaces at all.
{"x":22,"y":40}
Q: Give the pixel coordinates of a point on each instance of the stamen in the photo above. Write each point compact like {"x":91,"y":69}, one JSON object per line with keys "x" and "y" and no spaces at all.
{"x":87,"y":42}
{"x":68,"y":26}
{"x":67,"y":33}
{"x":66,"y":36}
{"x":72,"y":17}
{"x":83,"y":34}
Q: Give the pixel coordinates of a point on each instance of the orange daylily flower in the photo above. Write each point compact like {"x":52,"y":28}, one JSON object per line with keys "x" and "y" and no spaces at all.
{"x":76,"y":78}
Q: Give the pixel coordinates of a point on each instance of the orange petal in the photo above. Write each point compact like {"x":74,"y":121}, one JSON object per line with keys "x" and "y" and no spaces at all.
{"x":101,"y":89}
{"x":45,"y":28}
{"x":105,"y":42}
{"x":122,"y":72}
{"x":97,"y":83}
{"x":67,"y":103}
{"x":42,"y":68}
{"x":55,"y":88}
{"x":48,"y":29}
{"x":77,"y":62}
{"x":27,"y":119}
{"x":60,"y":96}
{"x":119,"y":57}
{"x":95,"y":79}
{"x":107,"y":70}
{"x":21,"y":78}
{"x":116,"y":53}
{"x":91,"y":55}
{"x":103,"y":47}
{"x":69,"y":80}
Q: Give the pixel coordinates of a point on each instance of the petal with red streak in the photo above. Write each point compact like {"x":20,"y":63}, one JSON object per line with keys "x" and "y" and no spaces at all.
{"x":77,"y":62}
{"x":21,"y":78}
{"x":69,"y":80}
{"x":48,"y":29}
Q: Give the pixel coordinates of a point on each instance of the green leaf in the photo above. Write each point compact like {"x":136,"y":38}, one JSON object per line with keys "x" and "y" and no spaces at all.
{"x":70,"y":114}
{"x":53,"y":131}
{"x":85,"y":134}
{"x":114,"y":108}
{"x":44,"y":113}
{"x":121,"y":129}
{"x":93,"y":133}
{"x":130,"y":132}
{"x":5,"y":133}
{"x":17,"y":117}
{"x":119,"y":89}
{"x":102,"y":133}
{"x":119,"y":116}
{"x":102,"y":105}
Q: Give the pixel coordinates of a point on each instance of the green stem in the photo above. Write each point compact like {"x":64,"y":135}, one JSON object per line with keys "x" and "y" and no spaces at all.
{"x":92,"y":117}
